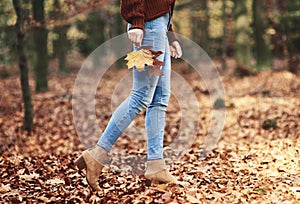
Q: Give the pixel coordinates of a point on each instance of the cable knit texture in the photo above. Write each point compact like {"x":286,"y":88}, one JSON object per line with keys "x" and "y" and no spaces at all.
{"x":136,"y":12}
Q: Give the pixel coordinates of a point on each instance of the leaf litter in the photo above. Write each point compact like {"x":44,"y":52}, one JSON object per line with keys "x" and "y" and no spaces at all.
{"x":250,"y":164}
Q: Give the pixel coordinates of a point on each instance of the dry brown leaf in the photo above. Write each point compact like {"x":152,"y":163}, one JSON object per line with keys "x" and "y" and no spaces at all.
{"x":143,"y":57}
{"x":55,"y":181}
{"x":192,"y":199}
{"x":29,"y":177}
{"x":139,"y":59}
{"x":4,"y":188}
{"x":261,"y":166}
{"x":166,"y":197}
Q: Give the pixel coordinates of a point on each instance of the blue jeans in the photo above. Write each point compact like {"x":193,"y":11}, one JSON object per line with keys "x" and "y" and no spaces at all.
{"x":152,"y":93}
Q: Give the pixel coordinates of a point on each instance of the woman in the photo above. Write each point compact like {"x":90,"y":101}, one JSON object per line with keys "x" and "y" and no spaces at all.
{"x":148,"y":25}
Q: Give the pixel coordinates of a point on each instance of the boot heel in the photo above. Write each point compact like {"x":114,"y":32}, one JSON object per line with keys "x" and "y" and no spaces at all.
{"x":148,"y":182}
{"x":151,"y":182}
{"x":80,"y":163}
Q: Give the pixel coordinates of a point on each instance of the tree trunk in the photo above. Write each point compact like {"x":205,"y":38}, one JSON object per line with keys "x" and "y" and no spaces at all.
{"x":28,"y":109}
{"x":118,"y":29}
{"x":242,"y":34}
{"x":200,"y":19}
{"x":262,"y":40}
{"x":61,"y":44}
{"x":293,"y":39}
{"x":40,"y":46}
{"x":224,"y":37}
{"x":62,"y":49}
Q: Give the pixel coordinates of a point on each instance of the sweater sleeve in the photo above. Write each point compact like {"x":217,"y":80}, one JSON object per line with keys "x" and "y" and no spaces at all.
{"x":133,"y":12}
{"x":171,"y":35}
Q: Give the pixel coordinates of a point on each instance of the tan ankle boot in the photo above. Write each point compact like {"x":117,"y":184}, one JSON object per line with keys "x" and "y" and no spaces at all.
{"x":157,"y":171}
{"x":93,"y":160}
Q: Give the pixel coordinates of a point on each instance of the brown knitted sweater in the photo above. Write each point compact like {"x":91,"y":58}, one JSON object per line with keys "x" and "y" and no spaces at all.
{"x":136,"y":12}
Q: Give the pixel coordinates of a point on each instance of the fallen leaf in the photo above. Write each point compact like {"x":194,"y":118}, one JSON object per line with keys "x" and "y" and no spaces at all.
{"x":55,"y":181}
{"x":166,"y":197}
{"x":139,"y":59}
{"x":295,"y":189}
{"x":143,"y":57}
{"x":4,"y":188}
{"x":192,"y":199}
{"x":29,"y":177}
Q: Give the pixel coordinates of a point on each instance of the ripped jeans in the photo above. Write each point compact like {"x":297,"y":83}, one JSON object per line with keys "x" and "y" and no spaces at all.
{"x":152,"y":93}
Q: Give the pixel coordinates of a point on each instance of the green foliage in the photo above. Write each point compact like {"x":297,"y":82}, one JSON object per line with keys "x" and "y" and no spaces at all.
{"x":269,"y":124}
{"x":7,"y":42}
{"x":219,"y":104}
{"x":242,"y":33}
{"x":94,"y":28}
{"x":87,"y":28}
{"x":262,"y":48}
{"x":261,"y":191}
{"x":7,"y":45}
{"x":290,"y":21}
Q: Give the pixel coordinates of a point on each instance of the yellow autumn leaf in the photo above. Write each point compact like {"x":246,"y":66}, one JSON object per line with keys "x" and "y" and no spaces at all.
{"x":139,"y":59}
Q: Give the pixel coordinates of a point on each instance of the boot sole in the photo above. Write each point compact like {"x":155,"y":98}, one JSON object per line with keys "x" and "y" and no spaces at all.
{"x":150,"y":182}
{"x":80,"y":163}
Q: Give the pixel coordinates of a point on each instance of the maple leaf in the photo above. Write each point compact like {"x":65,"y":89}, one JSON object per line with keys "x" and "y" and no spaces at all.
{"x":143,"y":57}
{"x":139,"y":59}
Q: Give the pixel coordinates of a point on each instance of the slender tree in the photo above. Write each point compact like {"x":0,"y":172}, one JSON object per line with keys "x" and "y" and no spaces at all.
{"x":290,"y":20}
{"x":224,"y":37}
{"x":61,"y":44}
{"x":262,"y":39}
{"x":40,"y":46}
{"x":200,"y":19}
{"x":242,"y":33}
{"x":28,"y":109}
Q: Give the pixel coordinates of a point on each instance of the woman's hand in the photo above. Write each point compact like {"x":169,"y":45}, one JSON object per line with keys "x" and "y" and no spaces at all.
{"x":136,"y":36}
{"x":175,"y":49}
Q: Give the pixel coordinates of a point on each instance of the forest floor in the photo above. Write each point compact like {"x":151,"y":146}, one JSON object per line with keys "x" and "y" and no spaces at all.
{"x":257,"y":159}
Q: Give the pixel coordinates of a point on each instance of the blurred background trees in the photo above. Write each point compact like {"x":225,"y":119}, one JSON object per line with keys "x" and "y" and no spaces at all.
{"x":252,"y":32}
{"x":40,"y":51}
{"x":256,"y":34}
{"x":23,"y":66}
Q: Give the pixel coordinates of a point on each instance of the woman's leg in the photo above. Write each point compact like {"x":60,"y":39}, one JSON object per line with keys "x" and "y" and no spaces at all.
{"x":144,"y":87}
{"x":140,"y":97}
{"x":155,"y":114}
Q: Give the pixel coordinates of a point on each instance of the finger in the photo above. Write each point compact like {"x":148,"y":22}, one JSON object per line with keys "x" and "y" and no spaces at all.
{"x":140,"y":39}
{"x":175,"y":55}
{"x":179,"y":51}
{"x":172,"y":54}
{"x":137,"y":39}
{"x":134,"y":40}
{"x":172,"y":51}
{"x":138,"y":43}
{"x":177,"y":47}
{"x":132,"y":37}
{"x":130,"y":34}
